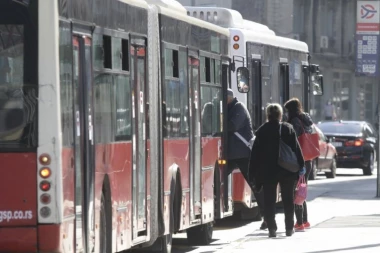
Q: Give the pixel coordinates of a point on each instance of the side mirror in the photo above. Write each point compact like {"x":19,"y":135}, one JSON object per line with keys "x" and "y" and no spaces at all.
{"x":317,"y":85}
{"x":242,"y":75}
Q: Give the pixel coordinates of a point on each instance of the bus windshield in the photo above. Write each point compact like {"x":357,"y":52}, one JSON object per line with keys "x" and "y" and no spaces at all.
{"x":18,"y":78}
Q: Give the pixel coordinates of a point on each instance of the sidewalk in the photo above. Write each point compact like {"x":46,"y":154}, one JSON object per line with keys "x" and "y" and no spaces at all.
{"x":347,"y":220}
{"x":341,"y":234}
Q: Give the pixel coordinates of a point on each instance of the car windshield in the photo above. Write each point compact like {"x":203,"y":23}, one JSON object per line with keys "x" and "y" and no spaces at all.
{"x":340,"y":128}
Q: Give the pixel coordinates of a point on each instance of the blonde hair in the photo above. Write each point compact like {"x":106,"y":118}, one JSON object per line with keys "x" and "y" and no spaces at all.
{"x":274,"y":111}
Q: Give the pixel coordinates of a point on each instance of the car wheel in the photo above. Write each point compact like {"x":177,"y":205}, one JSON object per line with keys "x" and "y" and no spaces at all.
{"x":314,"y":170}
{"x":332,"y":173}
{"x":367,"y":171}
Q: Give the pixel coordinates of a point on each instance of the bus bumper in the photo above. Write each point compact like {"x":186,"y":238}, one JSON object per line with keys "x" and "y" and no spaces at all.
{"x":25,"y":239}
{"x":18,"y":239}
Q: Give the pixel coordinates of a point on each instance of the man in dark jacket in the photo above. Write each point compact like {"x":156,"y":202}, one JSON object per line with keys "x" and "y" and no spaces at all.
{"x":238,"y":152}
{"x":239,"y":126}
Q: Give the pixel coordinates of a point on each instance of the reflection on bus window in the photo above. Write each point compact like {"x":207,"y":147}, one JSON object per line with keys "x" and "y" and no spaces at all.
{"x":17,"y":99}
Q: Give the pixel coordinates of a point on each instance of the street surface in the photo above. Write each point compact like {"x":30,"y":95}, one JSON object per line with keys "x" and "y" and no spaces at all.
{"x":344,"y":213}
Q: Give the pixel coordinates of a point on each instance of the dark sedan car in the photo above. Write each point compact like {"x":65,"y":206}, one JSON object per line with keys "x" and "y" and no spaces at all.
{"x":355,"y":143}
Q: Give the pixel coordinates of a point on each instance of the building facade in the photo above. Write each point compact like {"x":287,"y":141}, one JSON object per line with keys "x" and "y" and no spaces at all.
{"x":328,"y":27}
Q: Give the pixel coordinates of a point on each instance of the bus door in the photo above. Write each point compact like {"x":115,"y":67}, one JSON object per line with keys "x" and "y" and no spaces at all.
{"x":195,"y":138}
{"x":139,"y":163}
{"x":227,"y":180}
{"x":305,"y":84}
{"x":84,"y":144}
{"x":284,"y":81}
{"x":255,"y":100}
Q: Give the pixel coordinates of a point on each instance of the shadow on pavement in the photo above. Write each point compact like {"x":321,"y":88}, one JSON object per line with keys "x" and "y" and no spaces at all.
{"x":231,"y":222}
{"x":347,"y":249}
{"x":180,"y":245}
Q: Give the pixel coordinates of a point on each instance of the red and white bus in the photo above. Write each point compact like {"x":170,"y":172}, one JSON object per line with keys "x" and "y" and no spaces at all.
{"x":279,"y":68}
{"x":111,"y":125}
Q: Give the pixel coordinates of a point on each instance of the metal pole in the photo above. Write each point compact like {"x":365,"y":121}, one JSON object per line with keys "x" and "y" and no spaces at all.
{"x":378,"y":130}
{"x":378,"y":141}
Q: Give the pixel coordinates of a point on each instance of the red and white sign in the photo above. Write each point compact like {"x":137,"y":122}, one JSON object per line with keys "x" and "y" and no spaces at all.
{"x":368,"y":17}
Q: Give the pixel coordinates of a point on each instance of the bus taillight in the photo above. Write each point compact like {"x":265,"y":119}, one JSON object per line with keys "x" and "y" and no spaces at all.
{"x":45,"y":212}
{"x":45,"y":159}
{"x":45,"y":186}
{"x":45,"y":199}
{"x":45,"y":172}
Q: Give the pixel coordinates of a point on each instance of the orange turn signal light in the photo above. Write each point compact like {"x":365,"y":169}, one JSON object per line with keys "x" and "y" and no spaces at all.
{"x":45,"y":172}
{"x":236,"y":46}
{"x":222,"y":162}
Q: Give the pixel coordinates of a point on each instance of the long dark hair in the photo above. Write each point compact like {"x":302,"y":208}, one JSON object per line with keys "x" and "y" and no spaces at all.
{"x":294,"y":108}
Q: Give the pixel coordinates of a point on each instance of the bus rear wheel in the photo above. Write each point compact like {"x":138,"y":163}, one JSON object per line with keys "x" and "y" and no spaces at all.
{"x":201,"y":234}
{"x":105,"y":226}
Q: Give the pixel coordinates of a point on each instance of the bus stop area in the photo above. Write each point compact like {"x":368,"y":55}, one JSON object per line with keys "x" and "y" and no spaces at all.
{"x":345,"y":217}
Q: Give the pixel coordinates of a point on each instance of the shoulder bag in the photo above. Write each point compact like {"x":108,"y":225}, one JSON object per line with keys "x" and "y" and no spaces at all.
{"x":309,"y":144}
{"x":287,"y":158}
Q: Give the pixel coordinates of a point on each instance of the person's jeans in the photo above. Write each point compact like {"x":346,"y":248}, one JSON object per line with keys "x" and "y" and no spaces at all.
{"x":301,"y":211}
{"x":287,"y":193}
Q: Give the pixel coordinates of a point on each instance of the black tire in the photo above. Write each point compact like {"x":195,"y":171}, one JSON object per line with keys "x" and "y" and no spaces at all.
{"x":332,"y":173}
{"x":314,"y":170}
{"x":252,"y":214}
{"x":105,"y":232}
{"x":200,"y":235}
{"x":367,"y":171}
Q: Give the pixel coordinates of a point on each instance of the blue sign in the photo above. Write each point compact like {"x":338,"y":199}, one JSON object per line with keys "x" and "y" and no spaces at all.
{"x":367,"y":57}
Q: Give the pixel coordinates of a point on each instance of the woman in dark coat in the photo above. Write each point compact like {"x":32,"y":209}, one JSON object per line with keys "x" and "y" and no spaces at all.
{"x":266,"y":172}
{"x":302,"y":123}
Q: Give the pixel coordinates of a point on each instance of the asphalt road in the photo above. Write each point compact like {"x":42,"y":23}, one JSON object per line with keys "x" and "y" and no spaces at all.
{"x":350,"y":194}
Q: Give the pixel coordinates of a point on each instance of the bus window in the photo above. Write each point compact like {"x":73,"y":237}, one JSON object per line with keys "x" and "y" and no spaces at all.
{"x":18,"y":84}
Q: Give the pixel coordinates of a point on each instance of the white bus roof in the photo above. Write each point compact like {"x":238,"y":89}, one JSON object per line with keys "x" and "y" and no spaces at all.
{"x":226,"y":18}
{"x":174,"y":9}
{"x":276,"y":41}
{"x":252,"y":31}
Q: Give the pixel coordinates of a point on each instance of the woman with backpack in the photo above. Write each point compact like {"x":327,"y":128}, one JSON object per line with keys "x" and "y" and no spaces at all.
{"x":302,"y":123}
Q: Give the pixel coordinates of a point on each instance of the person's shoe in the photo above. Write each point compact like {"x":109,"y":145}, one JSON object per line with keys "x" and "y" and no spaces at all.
{"x":272,"y":233}
{"x":289,"y":232}
{"x":299,"y":228}
{"x":264,"y":225}
{"x":306,"y":225}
